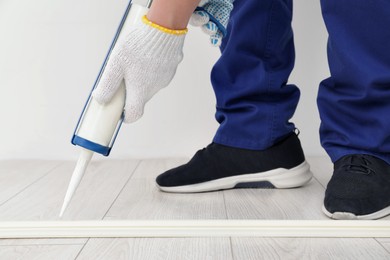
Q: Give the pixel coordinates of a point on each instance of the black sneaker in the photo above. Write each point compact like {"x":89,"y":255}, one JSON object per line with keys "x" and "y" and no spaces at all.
{"x":358,"y":189}
{"x":219,"y":167}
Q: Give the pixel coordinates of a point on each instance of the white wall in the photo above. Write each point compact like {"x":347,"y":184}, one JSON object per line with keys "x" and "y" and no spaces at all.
{"x":51,"y":52}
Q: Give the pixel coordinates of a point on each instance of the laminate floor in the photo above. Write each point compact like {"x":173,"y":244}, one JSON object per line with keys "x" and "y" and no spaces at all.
{"x":117,"y":190}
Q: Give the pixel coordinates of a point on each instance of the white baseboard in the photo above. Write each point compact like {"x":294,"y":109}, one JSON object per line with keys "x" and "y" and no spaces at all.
{"x":194,"y":228}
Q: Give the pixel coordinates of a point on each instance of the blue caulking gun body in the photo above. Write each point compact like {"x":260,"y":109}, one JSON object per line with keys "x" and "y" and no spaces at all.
{"x":98,"y":125}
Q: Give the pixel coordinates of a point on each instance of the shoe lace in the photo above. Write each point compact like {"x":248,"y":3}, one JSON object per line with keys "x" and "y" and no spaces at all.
{"x":359,"y":164}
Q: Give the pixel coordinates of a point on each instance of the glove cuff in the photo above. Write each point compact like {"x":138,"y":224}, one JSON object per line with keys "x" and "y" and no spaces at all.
{"x":153,"y":42}
{"x":162,"y":28}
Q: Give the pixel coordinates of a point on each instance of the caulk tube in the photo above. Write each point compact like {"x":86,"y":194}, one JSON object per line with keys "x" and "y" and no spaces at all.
{"x":99,"y":124}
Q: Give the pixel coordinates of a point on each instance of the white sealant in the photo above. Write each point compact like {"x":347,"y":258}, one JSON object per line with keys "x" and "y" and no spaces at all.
{"x":78,"y":173}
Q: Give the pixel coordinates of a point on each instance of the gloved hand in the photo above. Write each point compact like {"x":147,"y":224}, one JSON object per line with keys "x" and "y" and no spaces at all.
{"x":213,"y":16}
{"x":147,"y":60}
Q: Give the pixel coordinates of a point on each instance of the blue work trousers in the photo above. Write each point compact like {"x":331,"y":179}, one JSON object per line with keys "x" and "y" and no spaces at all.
{"x":255,"y":103}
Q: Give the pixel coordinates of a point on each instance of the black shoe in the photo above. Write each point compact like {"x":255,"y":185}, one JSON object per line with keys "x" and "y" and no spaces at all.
{"x":219,"y":167}
{"x":358,"y":189}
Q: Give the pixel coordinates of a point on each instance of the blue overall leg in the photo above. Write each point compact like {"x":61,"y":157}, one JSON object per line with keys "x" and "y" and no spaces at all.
{"x":354,"y":102}
{"x":254,"y":101}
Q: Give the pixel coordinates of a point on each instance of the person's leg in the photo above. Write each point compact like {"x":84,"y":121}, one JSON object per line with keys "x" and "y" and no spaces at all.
{"x":354,"y":105}
{"x":255,"y":145}
{"x":354,"y":102}
{"x":254,"y":101}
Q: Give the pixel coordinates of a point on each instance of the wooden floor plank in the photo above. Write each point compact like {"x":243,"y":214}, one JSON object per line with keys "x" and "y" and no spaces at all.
{"x":141,"y":198}
{"x":95,"y":194}
{"x":40,"y":252}
{"x":307,"y":248}
{"x":16,"y":175}
{"x":157,"y":248}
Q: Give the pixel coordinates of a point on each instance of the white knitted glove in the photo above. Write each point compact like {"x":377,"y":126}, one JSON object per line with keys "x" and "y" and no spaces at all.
{"x":213,"y":17}
{"x":146,"y":60}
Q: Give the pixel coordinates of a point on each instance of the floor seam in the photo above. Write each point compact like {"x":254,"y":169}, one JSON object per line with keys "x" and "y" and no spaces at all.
{"x":131,"y":175}
{"x":224,"y":204}
{"x":25,"y":188}
{"x":82,"y":248}
{"x":314,"y":177}
{"x":231,"y":248}
{"x":381,"y":245}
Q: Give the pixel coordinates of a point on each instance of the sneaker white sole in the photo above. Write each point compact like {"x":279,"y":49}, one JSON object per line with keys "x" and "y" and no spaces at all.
{"x":280,"y":178}
{"x":348,"y":216}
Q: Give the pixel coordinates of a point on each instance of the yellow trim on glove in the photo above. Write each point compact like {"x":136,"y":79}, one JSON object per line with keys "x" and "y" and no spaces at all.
{"x":161,"y":28}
